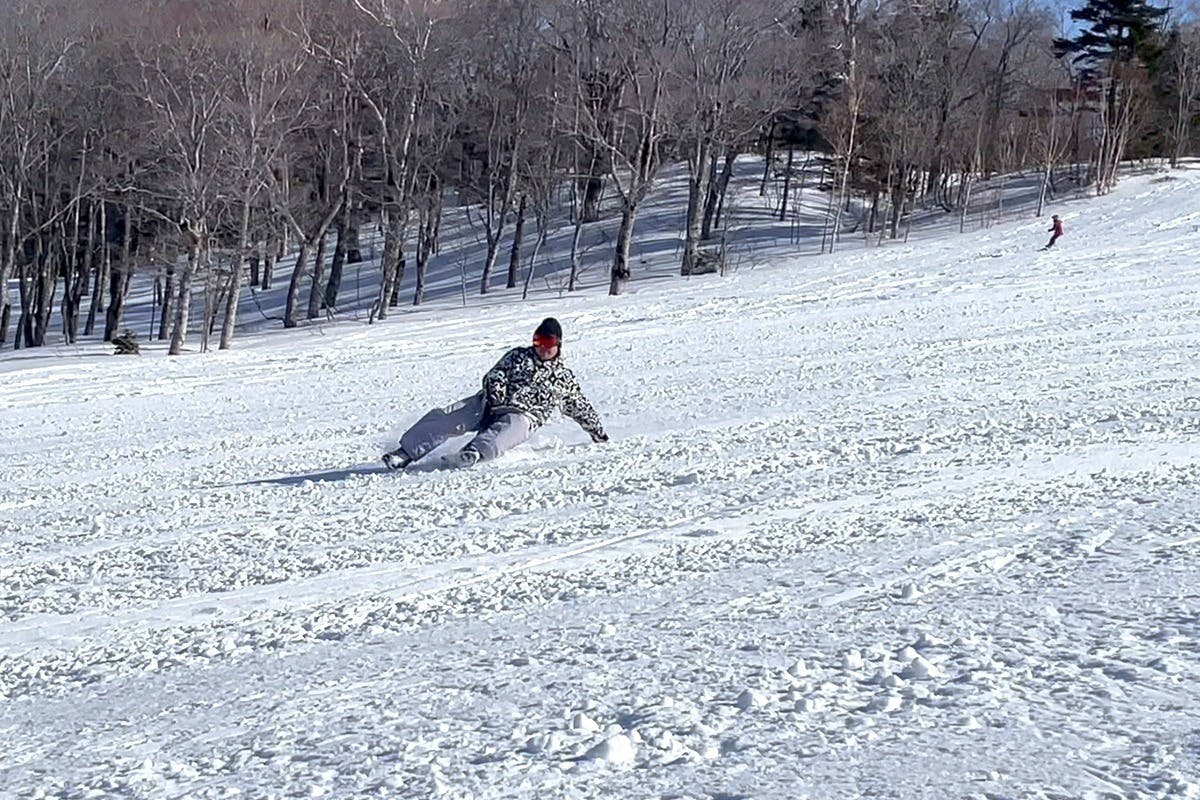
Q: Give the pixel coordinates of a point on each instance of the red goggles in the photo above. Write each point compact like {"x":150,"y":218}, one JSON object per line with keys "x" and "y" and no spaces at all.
{"x":545,"y":340}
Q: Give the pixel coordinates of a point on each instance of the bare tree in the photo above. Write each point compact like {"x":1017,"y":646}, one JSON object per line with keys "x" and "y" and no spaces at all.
{"x":586,"y":34}
{"x":401,"y":33}
{"x":847,"y":117}
{"x":500,"y":74}
{"x":727,"y":47}
{"x":1184,"y":59}
{"x":33,"y":67}
{"x":645,"y":36}
{"x":435,"y":134}
{"x":186,"y":95}
{"x":266,"y":103}
{"x":310,"y":211}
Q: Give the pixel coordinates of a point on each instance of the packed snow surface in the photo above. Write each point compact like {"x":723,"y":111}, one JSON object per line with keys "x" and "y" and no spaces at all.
{"x":920,"y":520}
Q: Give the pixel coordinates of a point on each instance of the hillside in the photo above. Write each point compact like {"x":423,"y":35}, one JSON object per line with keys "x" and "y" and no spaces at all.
{"x":909,"y":521}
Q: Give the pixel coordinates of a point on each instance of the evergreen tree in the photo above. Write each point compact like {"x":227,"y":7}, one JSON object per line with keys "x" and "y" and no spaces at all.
{"x":1117,"y":31}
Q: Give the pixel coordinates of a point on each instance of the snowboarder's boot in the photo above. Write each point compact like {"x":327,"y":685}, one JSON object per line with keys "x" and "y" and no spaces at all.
{"x":397,"y":459}
{"x":467,"y":457}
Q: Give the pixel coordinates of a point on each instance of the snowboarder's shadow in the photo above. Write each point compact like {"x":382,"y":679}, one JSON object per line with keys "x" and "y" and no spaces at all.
{"x":439,"y":461}
{"x":329,"y":476}
{"x":338,"y":475}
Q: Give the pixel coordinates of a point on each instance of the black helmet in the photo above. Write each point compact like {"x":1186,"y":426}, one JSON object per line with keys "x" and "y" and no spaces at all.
{"x":549,"y":327}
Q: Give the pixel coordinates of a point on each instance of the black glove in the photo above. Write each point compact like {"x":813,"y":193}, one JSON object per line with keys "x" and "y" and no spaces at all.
{"x":599,"y":436}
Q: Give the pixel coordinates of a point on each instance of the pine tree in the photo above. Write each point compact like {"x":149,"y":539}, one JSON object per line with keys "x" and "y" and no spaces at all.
{"x":1117,"y":31}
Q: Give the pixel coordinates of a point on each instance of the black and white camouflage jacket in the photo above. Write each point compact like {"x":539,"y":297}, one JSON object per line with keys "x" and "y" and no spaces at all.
{"x":522,"y":382}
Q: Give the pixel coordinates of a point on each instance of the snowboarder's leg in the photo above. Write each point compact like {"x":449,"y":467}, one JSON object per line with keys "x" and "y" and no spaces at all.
{"x":440,"y":424}
{"x":503,"y":433}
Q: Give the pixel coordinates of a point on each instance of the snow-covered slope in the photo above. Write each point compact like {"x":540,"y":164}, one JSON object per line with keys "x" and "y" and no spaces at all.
{"x":916,"y":521}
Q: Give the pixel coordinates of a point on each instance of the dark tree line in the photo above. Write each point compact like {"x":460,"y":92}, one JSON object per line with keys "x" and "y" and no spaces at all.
{"x":203,"y":141}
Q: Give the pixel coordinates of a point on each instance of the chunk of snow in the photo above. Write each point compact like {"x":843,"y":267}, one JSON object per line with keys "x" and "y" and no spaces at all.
{"x":617,"y":750}
{"x":751,"y":699}
{"x":582,"y":722}
{"x":920,"y":668}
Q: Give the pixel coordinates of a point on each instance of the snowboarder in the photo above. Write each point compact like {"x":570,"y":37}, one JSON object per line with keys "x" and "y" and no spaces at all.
{"x":1056,"y":230}
{"x":518,"y":396}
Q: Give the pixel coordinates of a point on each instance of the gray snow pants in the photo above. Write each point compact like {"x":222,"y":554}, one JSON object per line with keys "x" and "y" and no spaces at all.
{"x":494,"y":434}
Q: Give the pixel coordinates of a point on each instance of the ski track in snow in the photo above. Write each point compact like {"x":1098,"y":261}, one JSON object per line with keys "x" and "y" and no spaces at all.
{"x":917,"y":521}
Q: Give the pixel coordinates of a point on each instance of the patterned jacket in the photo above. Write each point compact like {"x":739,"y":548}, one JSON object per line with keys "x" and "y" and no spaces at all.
{"x":522,"y":382}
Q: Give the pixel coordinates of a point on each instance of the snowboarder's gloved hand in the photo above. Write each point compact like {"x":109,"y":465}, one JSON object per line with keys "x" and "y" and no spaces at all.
{"x":599,"y":436}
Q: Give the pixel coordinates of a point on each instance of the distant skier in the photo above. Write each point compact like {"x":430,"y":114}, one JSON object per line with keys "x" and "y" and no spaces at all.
{"x":519,"y":394}
{"x":1055,"y":231}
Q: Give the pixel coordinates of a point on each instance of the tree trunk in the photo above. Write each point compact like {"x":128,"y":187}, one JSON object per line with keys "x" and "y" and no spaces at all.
{"x":401,"y":264}
{"x":698,"y":166}
{"x":787,"y":183}
{"x":1041,"y":203}
{"x":537,"y":247}
{"x":116,"y":285}
{"x":5,"y":312}
{"x":337,"y":266}
{"x":1183,"y":116}
{"x":898,"y":195}
{"x":353,"y":243}
{"x":315,"y":239}
{"x":184,"y":301}
{"x":72,"y":294}
{"x":723,"y":184}
{"x":208,"y":315}
{"x":316,"y":292}
{"x":494,"y":234}
{"x":24,"y":334}
{"x":593,"y":188}
{"x":100,"y":280}
{"x":47,"y":283}
{"x":620,"y":268}
{"x":427,"y":239}
{"x":8,"y":261}
{"x":293,"y":293}
{"x":270,"y":257}
{"x":216,"y":292}
{"x":767,"y":161}
{"x":118,"y":279}
{"x":710,"y":200}
{"x":393,"y":237}
{"x":164,"y":317}
{"x":514,"y":261}
{"x":85,"y":273}
{"x":965,"y":200}
{"x":573,"y":280}
{"x":235,"y":280}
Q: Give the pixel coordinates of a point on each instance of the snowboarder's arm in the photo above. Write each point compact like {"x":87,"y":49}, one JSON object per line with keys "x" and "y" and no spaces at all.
{"x":580,"y":409}
{"x":495,"y":383}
